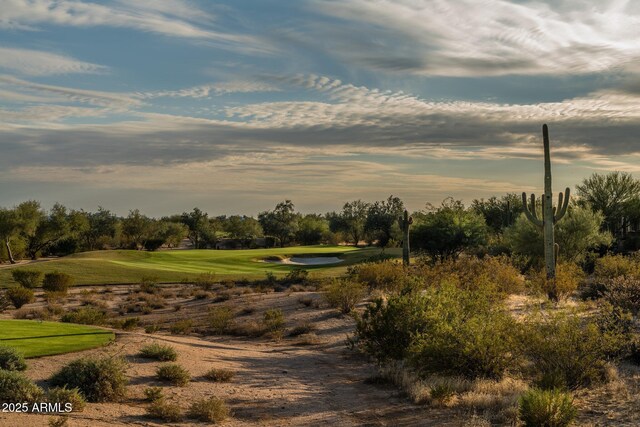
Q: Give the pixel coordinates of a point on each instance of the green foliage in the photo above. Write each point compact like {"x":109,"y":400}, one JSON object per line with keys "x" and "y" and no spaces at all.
{"x":56,"y":282}
{"x":152,"y":394}
{"x":281,"y":223}
{"x":86,"y":316}
{"x":162,"y":352}
{"x":312,"y":229}
{"x":65,"y":395}
{"x":220,"y":319}
{"x":20,"y":296}
{"x":499,"y":213}
{"x":569,"y":352}
{"x":344,"y":294}
{"x":15,"y":387}
{"x":206,"y":281}
{"x":212,"y":410}
{"x":385,"y":275}
{"x":181,"y":327}
{"x":569,"y":277}
{"x":98,"y":379}
{"x":351,"y":221}
{"x":165,"y":411}
{"x":382,"y":221}
{"x":27,"y":278}
{"x":442,"y":329}
{"x":546,"y":408}
{"x":149,"y":285}
{"x":577,"y":234}
{"x":11,"y":359}
{"x":273,"y":323}
{"x":448,"y":230}
{"x":220,"y":375}
{"x":624,"y":292}
{"x":174,"y":374}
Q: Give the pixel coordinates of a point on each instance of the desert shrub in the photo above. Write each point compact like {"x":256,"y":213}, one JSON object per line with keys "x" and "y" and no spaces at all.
{"x":165,"y":411}
{"x":612,"y":266}
{"x":567,"y":351}
{"x":220,"y":375}
{"x":306,"y":301}
{"x":302,"y":329}
{"x":15,"y":387}
{"x":152,"y":329}
{"x":441,"y":330}
{"x":220,"y":319}
{"x":181,"y":327}
{"x":174,"y":374}
{"x":273,"y":321}
{"x":149,"y":285}
{"x":61,"y":421}
{"x":205,"y":281}
{"x":57,"y":283}
{"x":126,"y":324}
{"x":490,"y":273}
{"x":344,"y":294}
{"x":200,"y":294}
{"x":569,"y":276}
{"x":65,"y":396}
{"x":295,"y":277}
{"x":11,"y":359}
{"x":212,"y":410}
{"x":19,"y":296}
{"x":85,"y":316}
{"x":162,"y":352}
{"x":385,"y":275}
{"x":98,"y":379}
{"x":27,"y":278}
{"x":4,"y":301}
{"x":623,"y":292}
{"x":152,"y":394}
{"x":546,"y":408}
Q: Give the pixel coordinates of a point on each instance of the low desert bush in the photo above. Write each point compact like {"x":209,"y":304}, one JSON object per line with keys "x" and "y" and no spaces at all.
{"x":152,"y":394}
{"x":295,"y":277}
{"x":344,"y":294}
{"x":443,"y":329}
{"x":4,"y":301}
{"x":162,"y":352}
{"x":623,"y":292}
{"x":57,"y":283}
{"x":220,"y":375}
{"x":149,"y":285}
{"x":211,"y":410}
{"x":302,"y":329}
{"x":569,"y":277}
{"x":11,"y":359}
{"x":220,"y":320}
{"x":206,"y":281}
{"x":165,"y":411}
{"x":385,"y":275}
{"x":612,"y":266}
{"x":546,"y":408}
{"x":567,"y":351}
{"x":181,"y":327}
{"x":27,"y":278}
{"x":126,"y":324}
{"x":20,"y":296}
{"x":67,"y":396}
{"x":15,"y":387}
{"x":174,"y":374}
{"x":152,"y":328}
{"x":85,"y":316}
{"x":98,"y":379}
{"x":273,"y":322}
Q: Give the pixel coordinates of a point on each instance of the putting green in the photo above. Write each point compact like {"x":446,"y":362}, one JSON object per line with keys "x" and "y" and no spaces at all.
{"x":127,"y":266}
{"x":34,"y":338}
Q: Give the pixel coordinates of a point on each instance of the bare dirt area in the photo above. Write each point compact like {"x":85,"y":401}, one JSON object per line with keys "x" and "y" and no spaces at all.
{"x":313,"y":379}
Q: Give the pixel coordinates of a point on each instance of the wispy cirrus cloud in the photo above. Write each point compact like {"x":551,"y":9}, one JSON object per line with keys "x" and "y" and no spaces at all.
{"x":174,"y":18}
{"x":469,"y":38}
{"x":204,"y":91}
{"x":39,"y":63}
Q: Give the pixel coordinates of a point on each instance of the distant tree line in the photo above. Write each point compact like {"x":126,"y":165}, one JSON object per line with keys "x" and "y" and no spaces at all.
{"x":605,"y":215}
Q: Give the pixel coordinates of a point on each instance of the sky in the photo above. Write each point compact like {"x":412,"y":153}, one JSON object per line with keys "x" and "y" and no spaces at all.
{"x":234,"y":106}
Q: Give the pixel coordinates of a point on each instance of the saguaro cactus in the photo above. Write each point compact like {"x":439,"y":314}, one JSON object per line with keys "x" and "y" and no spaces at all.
{"x":550,"y":215}
{"x":405,"y":223}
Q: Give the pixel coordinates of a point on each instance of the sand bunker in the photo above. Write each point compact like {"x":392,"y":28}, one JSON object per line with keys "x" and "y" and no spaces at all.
{"x":306,"y":260}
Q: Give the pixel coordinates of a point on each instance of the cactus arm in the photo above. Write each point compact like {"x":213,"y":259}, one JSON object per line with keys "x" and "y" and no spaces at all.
{"x":563,"y":204}
{"x":530,"y":214}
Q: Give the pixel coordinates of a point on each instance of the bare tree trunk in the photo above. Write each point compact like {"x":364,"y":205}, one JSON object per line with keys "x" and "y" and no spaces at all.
{"x":9,"y":253}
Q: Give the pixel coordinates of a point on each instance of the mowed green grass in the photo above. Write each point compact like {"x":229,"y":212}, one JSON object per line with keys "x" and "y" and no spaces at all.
{"x":34,"y":338}
{"x":126,"y":266}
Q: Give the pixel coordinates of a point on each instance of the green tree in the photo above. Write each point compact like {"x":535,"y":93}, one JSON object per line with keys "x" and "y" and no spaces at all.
{"x":9,"y":228}
{"x":612,"y":194}
{"x":382,"y":220}
{"x":281,"y":223}
{"x":579,"y":232}
{"x":499,"y":213}
{"x":243,"y":228}
{"x":101,"y":225}
{"x":198,"y":223}
{"x":312,"y":229}
{"x":446,"y":231}
{"x":351,"y":220}
{"x":136,"y":228}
